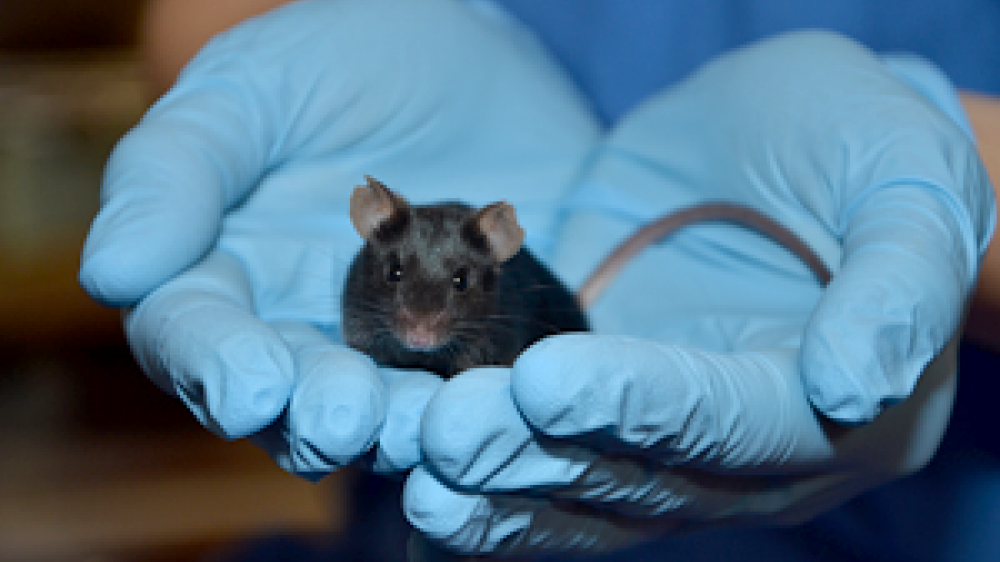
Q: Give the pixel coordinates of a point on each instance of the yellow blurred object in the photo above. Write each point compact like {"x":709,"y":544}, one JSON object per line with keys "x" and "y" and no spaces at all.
{"x":101,"y":495}
{"x":59,"y":119}
{"x":97,"y":463}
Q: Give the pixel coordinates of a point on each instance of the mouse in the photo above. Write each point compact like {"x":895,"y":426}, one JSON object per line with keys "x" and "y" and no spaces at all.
{"x":446,"y":287}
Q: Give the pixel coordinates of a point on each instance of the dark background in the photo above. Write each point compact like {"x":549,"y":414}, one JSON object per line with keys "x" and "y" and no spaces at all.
{"x":96,"y":464}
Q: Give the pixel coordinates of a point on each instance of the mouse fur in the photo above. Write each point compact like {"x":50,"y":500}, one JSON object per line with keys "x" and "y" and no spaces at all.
{"x":447,"y":287}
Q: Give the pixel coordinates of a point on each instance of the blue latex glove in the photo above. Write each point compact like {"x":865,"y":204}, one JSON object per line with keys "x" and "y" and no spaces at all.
{"x":224,"y":220}
{"x":716,"y":408}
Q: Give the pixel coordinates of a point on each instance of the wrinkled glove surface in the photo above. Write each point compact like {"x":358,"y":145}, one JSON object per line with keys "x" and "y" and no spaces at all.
{"x":224,"y":223}
{"x":706,"y":395}
{"x":724,"y":384}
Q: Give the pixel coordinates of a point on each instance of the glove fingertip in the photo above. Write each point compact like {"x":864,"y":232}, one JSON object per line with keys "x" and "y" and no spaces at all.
{"x":433,"y":508}
{"x":339,"y":405}
{"x":469,"y":416}
{"x":109,"y":284}
{"x":399,"y":440}
{"x":865,"y":351}
{"x":838,"y":393}
{"x":908,"y":266}
{"x":549,"y":383}
{"x":115,"y":272}
{"x":252,"y":386}
{"x":135,"y":245}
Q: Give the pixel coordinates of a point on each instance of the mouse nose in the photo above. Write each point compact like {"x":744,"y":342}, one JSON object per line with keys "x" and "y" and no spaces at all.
{"x":423,"y":332}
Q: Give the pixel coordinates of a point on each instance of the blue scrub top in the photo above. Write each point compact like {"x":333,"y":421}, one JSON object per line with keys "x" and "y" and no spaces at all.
{"x":620,"y":51}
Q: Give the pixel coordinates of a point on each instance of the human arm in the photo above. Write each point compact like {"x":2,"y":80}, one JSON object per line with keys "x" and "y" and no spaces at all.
{"x":984,"y":114}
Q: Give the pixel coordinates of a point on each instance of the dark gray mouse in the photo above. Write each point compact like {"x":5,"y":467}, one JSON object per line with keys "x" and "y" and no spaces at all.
{"x":446,"y":287}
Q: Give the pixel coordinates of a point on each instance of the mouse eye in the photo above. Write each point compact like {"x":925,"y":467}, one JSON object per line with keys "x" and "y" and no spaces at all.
{"x":461,"y":279}
{"x":394,"y":273}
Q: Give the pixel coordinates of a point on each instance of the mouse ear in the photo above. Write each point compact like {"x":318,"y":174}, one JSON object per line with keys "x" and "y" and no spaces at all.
{"x":372,"y":205}
{"x":498,"y":222}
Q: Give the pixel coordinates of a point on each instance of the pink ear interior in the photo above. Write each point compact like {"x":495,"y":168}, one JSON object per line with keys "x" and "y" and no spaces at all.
{"x":371,"y":205}
{"x":498,"y":222}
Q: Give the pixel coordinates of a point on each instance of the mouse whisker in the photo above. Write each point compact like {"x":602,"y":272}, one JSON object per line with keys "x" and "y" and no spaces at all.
{"x":525,"y":320}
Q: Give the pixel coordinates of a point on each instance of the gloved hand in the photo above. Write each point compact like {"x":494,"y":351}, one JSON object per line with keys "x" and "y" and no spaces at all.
{"x":743,"y":392}
{"x":224,"y":221}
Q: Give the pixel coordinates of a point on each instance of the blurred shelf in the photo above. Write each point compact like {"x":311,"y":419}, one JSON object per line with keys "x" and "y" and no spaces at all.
{"x":67,"y":499}
{"x":41,"y":301}
{"x":31,"y":25}
{"x":97,"y":464}
{"x":60,"y":116}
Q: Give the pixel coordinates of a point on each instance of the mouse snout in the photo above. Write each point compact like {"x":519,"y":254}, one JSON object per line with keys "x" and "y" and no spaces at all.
{"x":422,"y":331}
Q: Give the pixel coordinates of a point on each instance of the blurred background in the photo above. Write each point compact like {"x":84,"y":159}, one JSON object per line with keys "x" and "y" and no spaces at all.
{"x":96,"y":464}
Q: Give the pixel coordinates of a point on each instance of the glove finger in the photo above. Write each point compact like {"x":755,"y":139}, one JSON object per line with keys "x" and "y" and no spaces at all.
{"x":895,"y":303}
{"x":197,"y":152}
{"x":337,"y":408}
{"x":498,"y":486}
{"x":477,"y":524}
{"x":343,"y":406}
{"x":398,"y":447}
{"x":197,"y":338}
{"x":662,"y":502}
{"x":475,"y":440}
{"x":672,"y":405}
{"x":473,"y":436}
